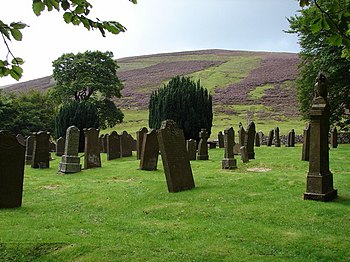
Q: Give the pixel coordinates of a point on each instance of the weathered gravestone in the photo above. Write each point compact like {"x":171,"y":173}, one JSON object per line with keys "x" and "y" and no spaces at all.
{"x":150,"y":151}
{"x":202,"y":153}
{"x":291,"y":139}
{"x":176,"y":165}
{"x":60,"y":146}
{"x":306,"y":144}
{"x":125,"y":144}
{"x":21,"y":139}
{"x":270,"y":138}
{"x":92,"y":157}
{"x":139,"y":141}
{"x":229,"y":162}
{"x":191,"y":146}
{"x":41,"y":154}
{"x":52,"y":146}
{"x":244,"y":154}
{"x":221,"y":140}
{"x":113,"y":146}
{"x":12,"y":155}
{"x":334,"y":137}
{"x":242,"y":136}
{"x":29,"y":150}
{"x":250,"y":140}
{"x":257,"y":140}
{"x":277,"y":137}
{"x":319,"y":178}
{"x":70,"y":162}
{"x":261,"y":137}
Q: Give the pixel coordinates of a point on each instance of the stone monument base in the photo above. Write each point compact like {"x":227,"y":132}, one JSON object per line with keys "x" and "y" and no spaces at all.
{"x":320,"y":187}
{"x":69,"y":164}
{"x":229,"y":163}
{"x":202,"y":157}
{"x":321,"y":197}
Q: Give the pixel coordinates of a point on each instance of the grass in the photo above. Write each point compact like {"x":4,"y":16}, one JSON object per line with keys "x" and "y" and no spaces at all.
{"x":259,"y":92}
{"x":119,"y":213}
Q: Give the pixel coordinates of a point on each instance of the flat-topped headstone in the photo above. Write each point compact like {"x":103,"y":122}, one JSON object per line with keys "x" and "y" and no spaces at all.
{"x":221,"y":140}
{"x":92,"y":157}
{"x":70,"y":162}
{"x":41,"y":156}
{"x":12,"y":158}
{"x":277,"y":137}
{"x":176,"y":165}
{"x":334,"y":137}
{"x":150,"y":151}
{"x":191,"y":146}
{"x":250,"y":140}
{"x":113,"y":146}
{"x":60,"y":146}
{"x":126,"y":144}
{"x":29,"y":150}
{"x":202,"y":153}
{"x":229,"y":162}
{"x":139,"y":141}
{"x":270,"y":138}
{"x":306,"y":144}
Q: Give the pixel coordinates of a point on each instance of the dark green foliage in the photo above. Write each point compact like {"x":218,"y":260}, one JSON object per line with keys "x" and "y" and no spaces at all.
{"x":114,"y":115}
{"x":184,"y":101}
{"x":82,"y":114}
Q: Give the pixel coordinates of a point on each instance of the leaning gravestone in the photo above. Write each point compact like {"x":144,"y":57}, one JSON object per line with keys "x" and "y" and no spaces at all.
{"x":60,"y":146}
{"x":11,"y":170}
{"x":176,"y":165}
{"x":70,"y":162}
{"x":277,"y":137}
{"x":270,"y":138}
{"x":319,"y":178}
{"x":250,"y":140}
{"x":203,"y":145}
{"x":21,"y":139}
{"x":29,"y":150}
{"x":113,"y":146}
{"x":92,"y":157}
{"x":125,"y":144}
{"x":41,"y":155}
{"x":150,"y":151}
{"x":139,"y":141}
{"x":306,"y":144}
{"x":257,"y":140}
{"x":334,"y":137}
{"x":229,"y":162}
{"x":191,"y":146}
{"x":221,"y":140}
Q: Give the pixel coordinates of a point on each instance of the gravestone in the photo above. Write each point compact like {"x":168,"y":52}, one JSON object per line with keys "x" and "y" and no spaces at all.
{"x":125,"y":144}
{"x":60,"y":146}
{"x":221,"y":140}
{"x":21,"y":139}
{"x":270,"y":138}
{"x":334,"y":137}
{"x":277,"y":137}
{"x":306,"y":144}
{"x":236,"y":149}
{"x":319,"y":178}
{"x":12,"y":158}
{"x":92,"y":157}
{"x":250,"y":140}
{"x":100,"y":141}
{"x":104,"y":143}
{"x":211,"y":144}
{"x":244,"y":154}
{"x":191,"y":146}
{"x":261,"y":137}
{"x":291,"y":139}
{"x":150,"y":151}
{"x":113,"y":146}
{"x":139,"y":141}
{"x":176,"y":165}
{"x":242,"y":136}
{"x":202,"y":153}
{"x":229,"y":162}
{"x":257,"y":140}
{"x":29,"y":150}
{"x":41,"y":155}
{"x":70,"y":162}
{"x":52,"y":146}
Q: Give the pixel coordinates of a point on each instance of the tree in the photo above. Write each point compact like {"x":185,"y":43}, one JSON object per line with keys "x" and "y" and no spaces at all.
{"x":76,"y":12}
{"x":89,"y":76}
{"x":318,"y":54}
{"x":184,"y":101}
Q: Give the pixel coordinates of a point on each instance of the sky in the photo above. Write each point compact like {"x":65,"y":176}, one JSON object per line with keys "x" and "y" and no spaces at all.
{"x":153,"y":26}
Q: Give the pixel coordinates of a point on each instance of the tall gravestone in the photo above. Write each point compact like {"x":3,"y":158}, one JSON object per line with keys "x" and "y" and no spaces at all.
{"x":176,"y":165}
{"x":125,"y":144}
{"x":191,"y":146}
{"x":12,"y":158}
{"x":60,"y":146}
{"x":150,"y":151}
{"x":291,"y":139}
{"x":277,"y":137}
{"x":221,"y":140}
{"x":306,"y":144}
{"x":270,"y":138}
{"x":139,"y":141}
{"x":92,"y":157}
{"x":202,"y":153}
{"x":319,"y":178}
{"x":261,"y":137}
{"x":70,"y":162}
{"x":29,"y":150}
{"x":250,"y":140}
{"x":257,"y":140}
{"x":334,"y":137}
{"x":242,"y":136}
{"x":113,"y":146}
{"x":229,"y":162}
{"x":41,"y":154}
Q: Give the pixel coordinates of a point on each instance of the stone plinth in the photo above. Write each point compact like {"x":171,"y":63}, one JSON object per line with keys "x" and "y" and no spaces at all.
{"x":70,"y":164}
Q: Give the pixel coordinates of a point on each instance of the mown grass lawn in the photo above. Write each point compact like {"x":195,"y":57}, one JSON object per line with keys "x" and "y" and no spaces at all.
{"x":119,"y":213}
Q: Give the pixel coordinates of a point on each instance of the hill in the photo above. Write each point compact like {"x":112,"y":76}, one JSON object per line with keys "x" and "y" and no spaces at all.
{"x":259,"y":83}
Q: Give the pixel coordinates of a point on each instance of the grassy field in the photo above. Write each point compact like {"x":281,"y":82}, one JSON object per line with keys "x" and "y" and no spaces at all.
{"x":119,"y":213}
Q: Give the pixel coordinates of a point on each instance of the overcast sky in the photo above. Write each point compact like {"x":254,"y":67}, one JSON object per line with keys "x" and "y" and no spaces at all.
{"x":154,"y":26}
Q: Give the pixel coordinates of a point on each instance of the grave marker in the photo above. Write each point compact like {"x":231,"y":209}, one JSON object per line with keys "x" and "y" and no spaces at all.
{"x":41,"y":154}
{"x":229,"y":162}
{"x":113,"y":146}
{"x":150,"y":151}
{"x":70,"y":162}
{"x":92,"y":156}
{"x":202,"y":153}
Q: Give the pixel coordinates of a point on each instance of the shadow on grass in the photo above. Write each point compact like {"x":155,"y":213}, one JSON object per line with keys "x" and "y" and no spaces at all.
{"x":342,"y":200}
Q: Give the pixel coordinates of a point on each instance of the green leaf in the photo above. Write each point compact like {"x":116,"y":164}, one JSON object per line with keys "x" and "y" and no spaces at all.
{"x":18,"y":61}
{"x":79,"y":9}
{"x":18,"y":25}
{"x":38,"y":7}
{"x":316,"y":25}
{"x":16,"y":72}
{"x":303,"y":3}
{"x":65,"y":5}
{"x":335,"y":40}
{"x":68,"y":16}
{"x":17,"y":35}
